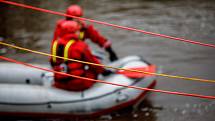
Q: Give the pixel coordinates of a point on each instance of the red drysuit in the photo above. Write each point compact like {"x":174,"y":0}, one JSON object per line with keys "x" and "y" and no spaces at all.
{"x":77,"y":50}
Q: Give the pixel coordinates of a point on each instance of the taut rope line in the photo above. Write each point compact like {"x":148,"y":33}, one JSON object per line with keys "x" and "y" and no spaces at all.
{"x":107,"y":24}
{"x":131,"y":70}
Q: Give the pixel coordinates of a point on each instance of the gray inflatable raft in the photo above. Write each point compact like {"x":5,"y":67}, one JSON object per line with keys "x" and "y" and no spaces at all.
{"x":27,"y":91}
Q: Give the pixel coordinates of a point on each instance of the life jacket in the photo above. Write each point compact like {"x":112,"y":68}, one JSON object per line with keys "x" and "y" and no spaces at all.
{"x":61,"y":50}
{"x":61,"y":64}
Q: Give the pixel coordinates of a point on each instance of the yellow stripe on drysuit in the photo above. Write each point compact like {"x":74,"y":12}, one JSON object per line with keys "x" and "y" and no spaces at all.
{"x":54,"y":51}
{"x":66,"y":49}
{"x":81,"y":35}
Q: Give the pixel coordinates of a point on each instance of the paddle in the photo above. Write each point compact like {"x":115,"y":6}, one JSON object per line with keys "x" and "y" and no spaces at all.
{"x":130,"y":74}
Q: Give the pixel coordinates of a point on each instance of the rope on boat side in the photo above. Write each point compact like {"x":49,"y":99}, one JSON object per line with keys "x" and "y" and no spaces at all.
{"x":89,"y":63}
{"x":108,"y":24}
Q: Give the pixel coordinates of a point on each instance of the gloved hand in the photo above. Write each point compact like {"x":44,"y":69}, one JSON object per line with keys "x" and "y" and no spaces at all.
{"x":107,"y":73}
{"x":113,"y":56}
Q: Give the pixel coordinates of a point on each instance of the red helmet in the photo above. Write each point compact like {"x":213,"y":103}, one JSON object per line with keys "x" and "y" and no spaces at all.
{"x":74,"y":10}
{"x":69,"y":27}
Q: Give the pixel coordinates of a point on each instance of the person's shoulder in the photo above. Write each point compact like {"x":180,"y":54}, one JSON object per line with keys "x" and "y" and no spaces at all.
{"x":90,"y":27}
{"x":83,"y":23}
{"x":60,"y":21}
{"x":81,"y":44}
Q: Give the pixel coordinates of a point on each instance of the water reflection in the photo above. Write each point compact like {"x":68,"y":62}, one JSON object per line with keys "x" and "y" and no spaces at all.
{"x":145,"y":112}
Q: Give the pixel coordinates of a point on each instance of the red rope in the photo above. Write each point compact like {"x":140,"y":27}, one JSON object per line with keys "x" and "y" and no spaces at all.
{"x":101,"y":81}
{"x":108,"y":24}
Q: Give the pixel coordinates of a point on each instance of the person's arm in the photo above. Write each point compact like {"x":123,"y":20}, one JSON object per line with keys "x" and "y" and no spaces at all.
{"x":97,"y":38}
{"x":55,"y":37}
{"x":55,"y":34}
{"x":89,"y":57}
{"x":57,"y":30}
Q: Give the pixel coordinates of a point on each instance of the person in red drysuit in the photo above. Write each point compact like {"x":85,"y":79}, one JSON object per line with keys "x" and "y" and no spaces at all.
{"x":86,"y":31}
{"x":68,"y":45}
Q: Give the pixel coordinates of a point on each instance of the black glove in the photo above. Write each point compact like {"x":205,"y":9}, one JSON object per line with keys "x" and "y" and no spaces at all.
{"x":112,"y":54}
{"x":107,"y":73}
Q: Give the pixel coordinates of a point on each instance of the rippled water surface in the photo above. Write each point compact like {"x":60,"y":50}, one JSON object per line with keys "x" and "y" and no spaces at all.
{"x":188,"y":19}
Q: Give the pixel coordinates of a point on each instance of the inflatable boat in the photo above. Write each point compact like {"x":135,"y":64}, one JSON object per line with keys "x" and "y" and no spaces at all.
{"x":29,"y":92}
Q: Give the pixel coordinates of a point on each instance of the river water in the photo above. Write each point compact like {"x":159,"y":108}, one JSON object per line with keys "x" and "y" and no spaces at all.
{"x":188,"y":19}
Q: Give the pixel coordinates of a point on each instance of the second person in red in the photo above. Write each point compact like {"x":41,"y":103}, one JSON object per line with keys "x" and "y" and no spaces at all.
{"x":86,"y":31}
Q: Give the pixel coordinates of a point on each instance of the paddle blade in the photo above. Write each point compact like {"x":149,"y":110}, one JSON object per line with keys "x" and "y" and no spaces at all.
{"x":130,"y":74}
